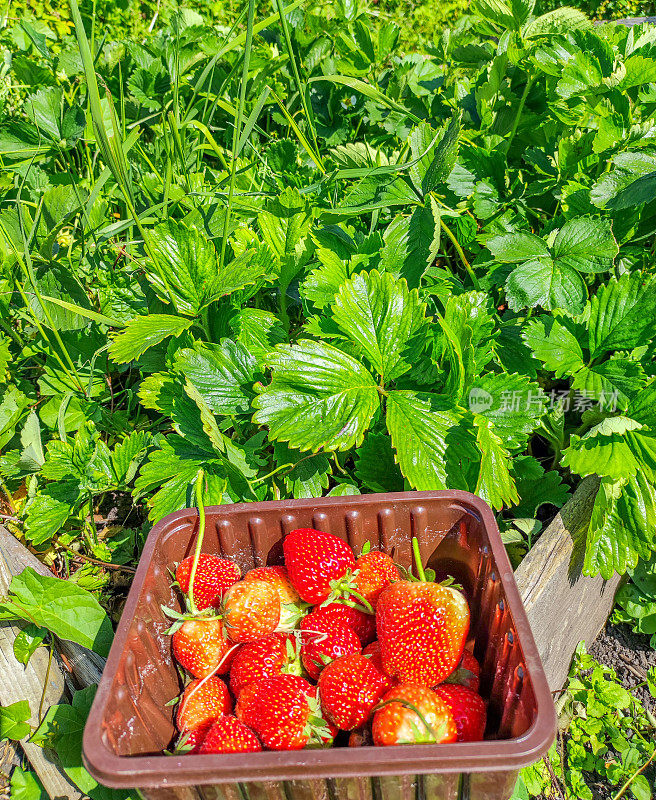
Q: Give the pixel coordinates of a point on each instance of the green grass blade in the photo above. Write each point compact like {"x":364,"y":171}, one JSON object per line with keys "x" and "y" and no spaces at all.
{"x":300,"y":88}
{"x":236,"y":130}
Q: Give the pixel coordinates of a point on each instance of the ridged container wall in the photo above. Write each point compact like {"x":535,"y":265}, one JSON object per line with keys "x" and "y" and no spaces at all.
{"x":131,"y":723}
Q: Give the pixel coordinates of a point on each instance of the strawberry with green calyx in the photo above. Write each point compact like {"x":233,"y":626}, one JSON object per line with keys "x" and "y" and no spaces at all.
{"x":316,"y":562}
{"x":190,"y":741}
{"x":363,"y":625}
{"x":229,"y":735}
{"x":321,"y":646}
{"x":467,"y":673}
{"x":201,"y":645}
{"x":374,"y":572}
{"x":362,"y":586}
{"x":468,"y":709}
{"x":292,"y":608}
{"x":203,"y":700}
{"x":275,"y":654}
{"x":284,"y":712}
{"x":422,"y":628}
{"x":203,"y":577}
{"x":412,"y":714}
{"x":349,"y":689}
{"x":251,"y":609}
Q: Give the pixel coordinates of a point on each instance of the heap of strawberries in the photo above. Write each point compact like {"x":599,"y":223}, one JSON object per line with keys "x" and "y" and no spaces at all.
{"x":286,"y":657}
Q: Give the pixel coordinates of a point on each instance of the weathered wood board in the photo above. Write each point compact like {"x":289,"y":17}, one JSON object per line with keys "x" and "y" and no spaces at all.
{"x":563,"y":606}
{"x":19,"y":682}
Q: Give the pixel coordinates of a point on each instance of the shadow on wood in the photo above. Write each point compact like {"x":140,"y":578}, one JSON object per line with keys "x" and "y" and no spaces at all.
{"x":564,"y":606}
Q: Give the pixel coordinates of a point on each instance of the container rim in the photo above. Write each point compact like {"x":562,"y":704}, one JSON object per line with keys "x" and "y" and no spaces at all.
{"x":124,"y":772}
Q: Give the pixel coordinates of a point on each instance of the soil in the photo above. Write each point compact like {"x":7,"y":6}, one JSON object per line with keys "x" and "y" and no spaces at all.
{"x":630,"y":656}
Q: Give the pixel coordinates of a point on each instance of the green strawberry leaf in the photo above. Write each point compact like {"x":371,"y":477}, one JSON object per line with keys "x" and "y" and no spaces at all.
{"x":517,"y":248}
{"x":643,"y":406}
{"x":305,"y":475}
{"x":436,"y":153}
{"x":621,"y":527}
{"x":49,"y":509}
{"x":616,"y":448}
{"x":622,"y":314}
{"x":380,"y":315}
{"x":411,"y":243}
{"x":186,"y":269}
{"x":536,"y":487}
{"x":512,"y":403}
{"x":378,"y":191}
{"x":258,"y":331}
{"x":632,"y":182}
{"x":375,"y":465}
{"x":142,"y":333}
{"x":128,"y":455}
{"x":546,"y":283}
{"x":172,"y":470}
{"x":495,"y":484}
{"x":434,"y":446}
{"x":586,"y":244}
{"x":616,"y":378}
{"x":555,"y":341}
{"x":223,"y":374}
{"x":319,"y":398}
{"x":285,"y":225}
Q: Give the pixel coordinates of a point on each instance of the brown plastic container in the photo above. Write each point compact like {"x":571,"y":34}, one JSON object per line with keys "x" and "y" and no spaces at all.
{"x":130,"y":724}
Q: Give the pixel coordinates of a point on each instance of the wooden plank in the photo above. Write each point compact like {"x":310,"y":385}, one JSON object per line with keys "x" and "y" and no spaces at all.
{"x":19,"y":682}
{"x":564,"y":606}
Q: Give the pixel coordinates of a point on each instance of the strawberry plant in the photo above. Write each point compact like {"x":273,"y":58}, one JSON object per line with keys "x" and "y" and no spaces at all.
{"x":289,"y":254}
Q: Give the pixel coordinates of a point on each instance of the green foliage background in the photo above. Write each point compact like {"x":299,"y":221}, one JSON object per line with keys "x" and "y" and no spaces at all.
{"x":321,"y":257}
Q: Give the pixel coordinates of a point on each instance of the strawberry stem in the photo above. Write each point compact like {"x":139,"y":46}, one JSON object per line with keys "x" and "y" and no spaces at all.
{"x":420,"y":569}
{"x":199,"y":539}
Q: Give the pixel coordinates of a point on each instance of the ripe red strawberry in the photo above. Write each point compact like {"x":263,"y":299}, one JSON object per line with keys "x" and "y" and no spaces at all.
{"x":422,"y":629}
{"x":200,"y":644}
{"x":399,"y":723}
{"x":272,"y":655}
{"x":284,"y":712}
{"x":322,"y":646}
{"x":213,"y":577}
{"x":349,"y":689}
{"x":372,"y":651}
{"x":364,"y":625}
{"x":190,"y":741}
{"x":374,"y":571}
{"x":467,"y":673}
{"x":361,"y":737}
{"x":203,"y":701}
{"x":251,"y":609}
{"x":468,"y":709}
{"x":229,"y":735}
{"x":315,"y":560}
{"x":292,"y":607}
